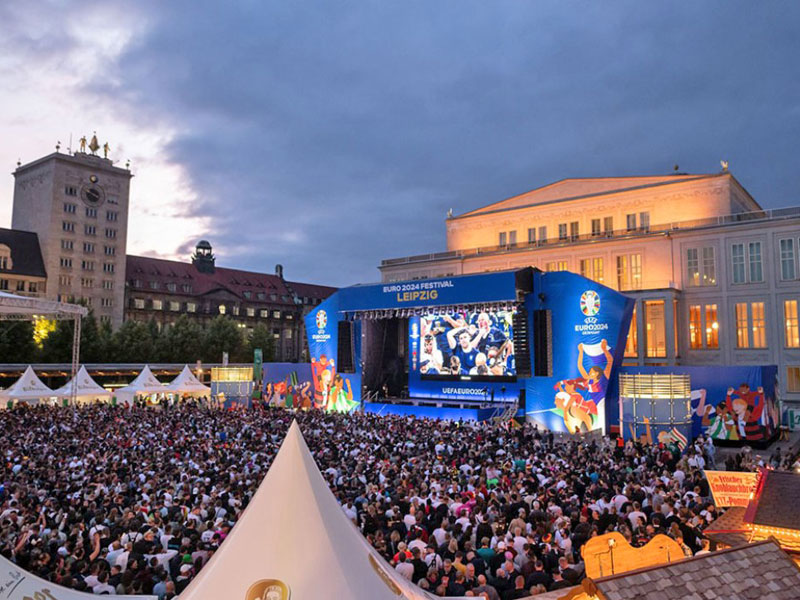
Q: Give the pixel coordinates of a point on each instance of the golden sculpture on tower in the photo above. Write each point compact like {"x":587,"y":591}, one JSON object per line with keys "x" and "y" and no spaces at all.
{"x":106,"y":150}
{"x":94,"y":145}
{"x":83,"y":144}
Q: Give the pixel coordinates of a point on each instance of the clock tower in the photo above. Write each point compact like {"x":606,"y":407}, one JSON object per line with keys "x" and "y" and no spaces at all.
{"x":78,"y":205}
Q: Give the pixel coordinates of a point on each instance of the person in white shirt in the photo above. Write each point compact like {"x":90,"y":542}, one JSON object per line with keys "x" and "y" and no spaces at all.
{"x":406,"y":569}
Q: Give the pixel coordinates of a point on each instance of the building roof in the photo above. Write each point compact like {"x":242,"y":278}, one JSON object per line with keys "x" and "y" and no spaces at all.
{"x":729,"y":529}
{"x":578,"y":188}
{"x":771,"y":507}
{"x":234,"y":281}
{"x":26,"y":255}
{"x":757,"y":571}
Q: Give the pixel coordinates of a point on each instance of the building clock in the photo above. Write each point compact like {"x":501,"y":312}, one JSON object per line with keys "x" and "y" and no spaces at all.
{"x":92,"y":193}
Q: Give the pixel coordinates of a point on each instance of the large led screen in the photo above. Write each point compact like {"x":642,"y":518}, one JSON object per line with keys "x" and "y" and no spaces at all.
{"x":474,"y":346}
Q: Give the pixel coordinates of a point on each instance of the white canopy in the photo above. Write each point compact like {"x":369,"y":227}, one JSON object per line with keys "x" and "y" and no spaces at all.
{"x":27,"y":387}
{"x":144,"y":384}
{"x":16,"y":584}
{"x":295,"y":535}
{"x":85,"y":387}
{"x":187,"y":383}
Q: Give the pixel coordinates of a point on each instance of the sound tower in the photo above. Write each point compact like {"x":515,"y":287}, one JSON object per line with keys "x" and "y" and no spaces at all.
{"x":522,"y":350}
{"x":345,"y":361}
{"x":543,"y":343}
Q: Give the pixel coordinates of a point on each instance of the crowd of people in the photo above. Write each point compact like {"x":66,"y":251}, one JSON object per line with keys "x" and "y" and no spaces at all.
{"x":136,"y":500}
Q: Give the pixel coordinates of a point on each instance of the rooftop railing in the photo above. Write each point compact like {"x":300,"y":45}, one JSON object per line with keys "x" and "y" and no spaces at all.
{"x":658,"y":229}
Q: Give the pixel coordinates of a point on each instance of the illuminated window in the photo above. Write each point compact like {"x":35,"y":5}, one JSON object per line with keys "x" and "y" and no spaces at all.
{"x":701,"y":267}
{"x":632,"y":343}
{"x":759,"y":324}
{"x":222,"y":309}
{"x":712,"y":326}
{"x":138,"y":303}
{"x":788,"y":270}
{"x":695,"y":326}
{"x":629,"y":272}
{"x":235,"y":310}
{"x":793,"y":379}
{"x":175,"y":306}
{"x":742,"y":335}
{"x":251,"y":312}
{"x":655,"y":329}
{"x":791,"y":324}
{"x":158,"y":305}
{"x":276,"y":314}
{"x":191,"y":307}
{"x":592,"y":268}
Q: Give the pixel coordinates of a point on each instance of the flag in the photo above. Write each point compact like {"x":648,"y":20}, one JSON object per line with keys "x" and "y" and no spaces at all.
{"x":679,"y":438}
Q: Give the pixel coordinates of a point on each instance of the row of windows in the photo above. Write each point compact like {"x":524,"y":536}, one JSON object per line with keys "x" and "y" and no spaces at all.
{"x":87,"y":265}
{"x":746,"y":263}
{"x":69,"y":227}
{"x":91,"y":212}
{"x":191,"y":307}
{"x":629,"y":270}
{"x":704,"y":327}
{"x":571,"y":231}
{"x":19,"y":285}
{"x":88,"y":247}
{"x":247,"y":294}
{"x":86,"y":282}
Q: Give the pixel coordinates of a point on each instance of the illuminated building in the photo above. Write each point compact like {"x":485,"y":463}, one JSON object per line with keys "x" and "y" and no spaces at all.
{"x":716,"y":278}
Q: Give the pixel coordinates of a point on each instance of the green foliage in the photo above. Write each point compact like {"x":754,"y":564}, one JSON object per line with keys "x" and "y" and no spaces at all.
{"x":16,"y":342}
{"x":261,"y":337}
{"x":223,"y":335}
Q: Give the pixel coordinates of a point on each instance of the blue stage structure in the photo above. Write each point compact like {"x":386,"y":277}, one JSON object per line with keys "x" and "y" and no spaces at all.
{"x":546,"y":342}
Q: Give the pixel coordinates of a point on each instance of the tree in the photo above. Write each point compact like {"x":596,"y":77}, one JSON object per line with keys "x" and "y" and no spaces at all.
{"x":92,"y":350}
{"x":223,"y":335}
{"x":16,"y":342}
{"x":261,"y":337}
{"x":57,"y":347}
{"x":183,"y":342}
{"x":133,"y":342}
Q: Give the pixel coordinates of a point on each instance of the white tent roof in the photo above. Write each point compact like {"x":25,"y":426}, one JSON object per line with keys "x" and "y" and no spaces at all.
{"x":294,"y":532}
{"x":145,"y":383}
{"x":84,"y":386}
{"x":187,"y":383}
{"x":27,"y":387}
{"x":16,"y":584}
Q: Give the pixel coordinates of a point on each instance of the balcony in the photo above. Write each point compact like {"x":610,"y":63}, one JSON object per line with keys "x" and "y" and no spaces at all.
{"x":776,"y":214}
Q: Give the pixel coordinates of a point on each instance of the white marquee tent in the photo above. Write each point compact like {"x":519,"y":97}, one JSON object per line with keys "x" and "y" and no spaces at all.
{"x":187,"y":383}
{"x":144,"y":385}
{"x":294,"y":540}
{"x":85,"y":388}
{"x":28,"y":387}
{"x":16,"y":584}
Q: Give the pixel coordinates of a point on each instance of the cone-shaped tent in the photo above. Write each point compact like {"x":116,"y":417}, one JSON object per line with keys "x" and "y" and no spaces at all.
{"x":86,"y":389}
{"x":144,"y":384}
{"x":187,"y":383}
{"x":17,"y":584}
{"x":28,"y":387}
{"x":294,"y":540}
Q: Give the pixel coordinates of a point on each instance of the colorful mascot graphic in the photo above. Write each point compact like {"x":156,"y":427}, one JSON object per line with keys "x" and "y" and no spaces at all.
{"x":578,"y":399}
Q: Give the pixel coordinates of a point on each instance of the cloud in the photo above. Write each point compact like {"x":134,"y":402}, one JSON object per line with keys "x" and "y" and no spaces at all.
{"x":327,"y":136}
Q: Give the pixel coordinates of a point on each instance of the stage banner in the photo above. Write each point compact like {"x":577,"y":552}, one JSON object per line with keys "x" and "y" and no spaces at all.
{"x":333,"y":391}
{"x":464,"y":289}
{"x":728,"y":403}
{"x":731,"y":488}
{"x":288,"y":385}
{"x":589,"y":329}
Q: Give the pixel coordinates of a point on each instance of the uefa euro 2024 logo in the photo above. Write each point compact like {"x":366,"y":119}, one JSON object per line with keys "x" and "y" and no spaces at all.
{"x":322,"y":319}
{"x":590,"y":303}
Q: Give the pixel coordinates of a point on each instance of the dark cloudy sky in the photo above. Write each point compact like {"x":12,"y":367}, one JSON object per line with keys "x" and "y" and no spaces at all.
{"x":328,"y":135}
